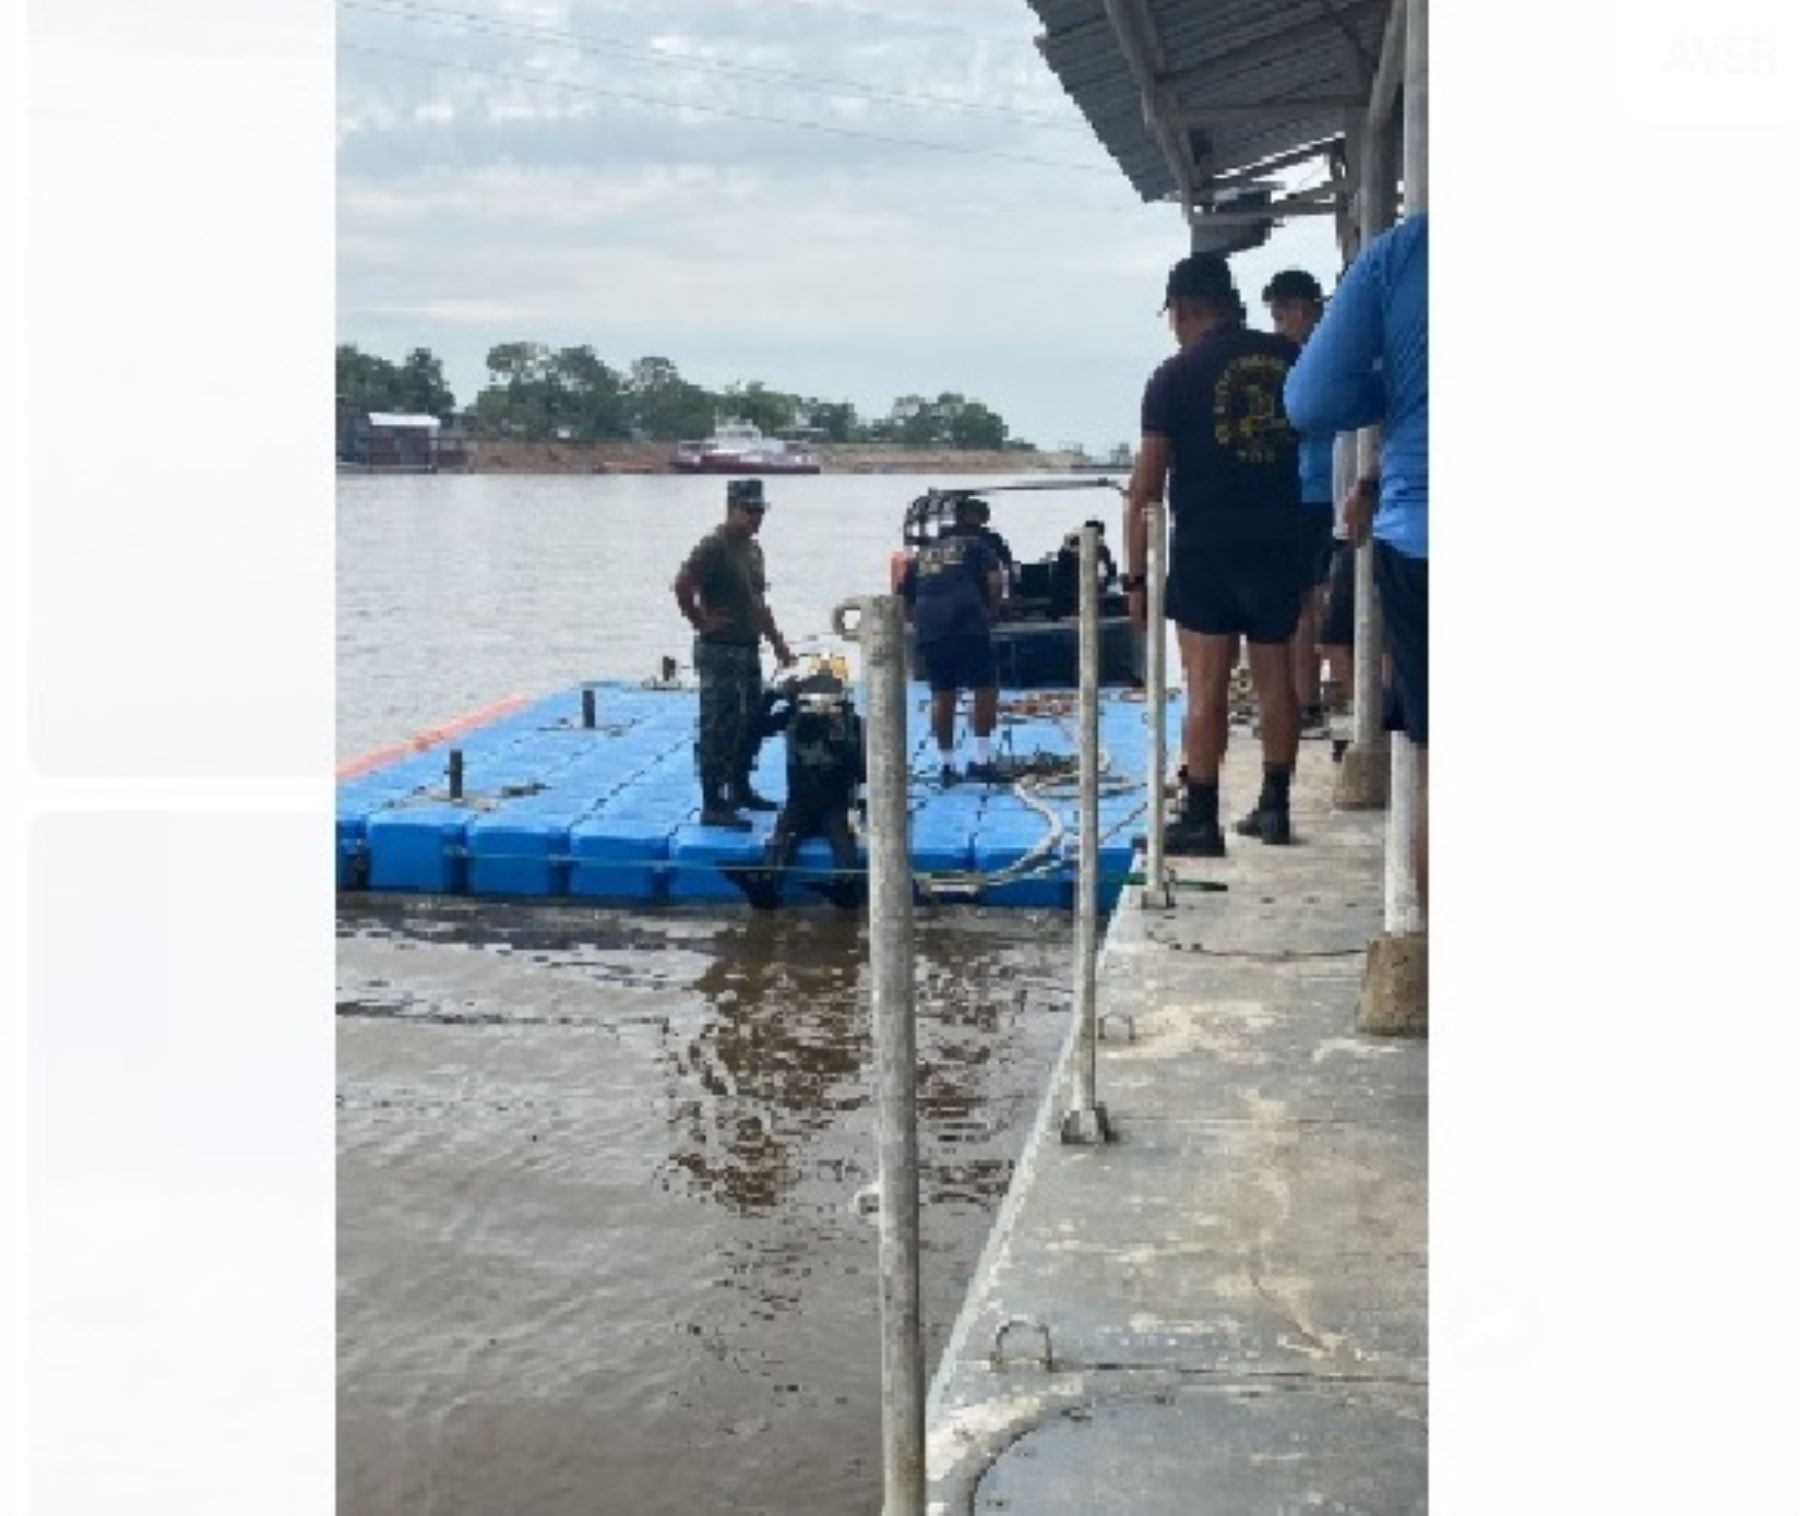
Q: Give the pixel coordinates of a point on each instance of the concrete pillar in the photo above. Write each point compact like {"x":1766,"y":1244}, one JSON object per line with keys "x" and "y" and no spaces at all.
{"x":1403,"y":913}
{"x":1395,"y":1001}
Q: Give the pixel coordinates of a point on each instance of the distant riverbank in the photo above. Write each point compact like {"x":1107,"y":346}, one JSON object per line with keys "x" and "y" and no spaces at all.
{"x":512,"y":456}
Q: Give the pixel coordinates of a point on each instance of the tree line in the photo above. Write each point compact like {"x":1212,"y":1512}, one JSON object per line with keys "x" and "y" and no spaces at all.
{"x":539,"y":393}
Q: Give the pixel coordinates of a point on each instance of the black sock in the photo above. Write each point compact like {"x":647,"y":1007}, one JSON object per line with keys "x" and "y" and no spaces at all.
{"x":1276,"y":777}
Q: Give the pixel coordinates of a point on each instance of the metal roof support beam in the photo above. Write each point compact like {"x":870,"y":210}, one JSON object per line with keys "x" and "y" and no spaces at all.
{"x":1414,"y":154}
{"x":1135,"y":31}
{"x":1280,"y":161}
{"x":1388,"y":72}
{"x":1272,"y":110}
{"x":1191,"y":84}
{"x":1346,"y":221}
{"x":1379,"y":175}
{"x":1279,"y":211}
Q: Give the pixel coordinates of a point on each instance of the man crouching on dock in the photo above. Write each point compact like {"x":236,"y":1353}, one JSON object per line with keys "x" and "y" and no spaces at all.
{"x":721,"y":590}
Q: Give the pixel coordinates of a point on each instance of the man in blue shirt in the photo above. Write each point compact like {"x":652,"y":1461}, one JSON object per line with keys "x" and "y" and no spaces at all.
{"x":1214,"y":425}
{"x":1367,"y":365}
{"x":1295,"y":303}
{"x":952,"y":587}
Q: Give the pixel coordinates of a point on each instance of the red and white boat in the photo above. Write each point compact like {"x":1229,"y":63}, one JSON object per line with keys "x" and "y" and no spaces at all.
{"x":737,"y":447}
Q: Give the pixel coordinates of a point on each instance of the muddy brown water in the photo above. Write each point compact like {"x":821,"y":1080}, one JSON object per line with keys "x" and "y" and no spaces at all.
{"x":598,"y":1247}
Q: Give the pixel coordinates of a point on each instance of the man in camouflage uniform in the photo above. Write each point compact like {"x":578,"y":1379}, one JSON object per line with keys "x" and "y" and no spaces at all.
{"x":721,"y":590}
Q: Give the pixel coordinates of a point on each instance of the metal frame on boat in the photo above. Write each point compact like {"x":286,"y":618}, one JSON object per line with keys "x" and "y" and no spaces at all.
{"x":1036,"y":641}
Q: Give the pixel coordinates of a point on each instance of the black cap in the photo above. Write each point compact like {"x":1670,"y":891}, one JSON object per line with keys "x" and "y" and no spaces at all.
{"x":1292,"y":284}
{"x":970,"y":508}
{"x":1200,"y":276}
{"x":745,"y":492}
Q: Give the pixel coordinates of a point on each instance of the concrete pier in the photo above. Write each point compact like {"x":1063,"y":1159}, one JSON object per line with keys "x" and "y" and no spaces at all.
{"x":1225,"y":1309}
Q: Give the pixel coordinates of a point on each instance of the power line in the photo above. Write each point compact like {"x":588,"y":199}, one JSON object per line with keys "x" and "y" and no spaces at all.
{"x":411,"y":9}
{"x":720,"y":110}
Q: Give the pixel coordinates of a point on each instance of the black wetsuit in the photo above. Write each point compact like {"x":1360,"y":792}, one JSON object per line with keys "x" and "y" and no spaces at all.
{"x":825,"y":766}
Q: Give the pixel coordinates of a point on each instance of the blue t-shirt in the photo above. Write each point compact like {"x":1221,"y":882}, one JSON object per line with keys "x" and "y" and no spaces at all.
{"x":1234,"y":475}
{"x":946,"y":585}
{"x":1366,"y":365}
{"x":1315,"y":469}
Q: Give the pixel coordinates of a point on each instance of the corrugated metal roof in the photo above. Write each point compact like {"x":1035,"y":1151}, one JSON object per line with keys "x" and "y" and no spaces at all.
{"x":1212,"y":54}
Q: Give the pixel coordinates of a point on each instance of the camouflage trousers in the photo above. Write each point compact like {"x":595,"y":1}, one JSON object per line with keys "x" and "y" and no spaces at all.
{"x":731,"y":690}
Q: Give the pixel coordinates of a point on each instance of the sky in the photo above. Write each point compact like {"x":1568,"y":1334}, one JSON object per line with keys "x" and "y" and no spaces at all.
{"x":621,"y":174}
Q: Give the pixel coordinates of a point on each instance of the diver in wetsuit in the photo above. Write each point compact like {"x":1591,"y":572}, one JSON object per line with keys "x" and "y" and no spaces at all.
{"x":1065,"y":576}
{"x":825,"y":765}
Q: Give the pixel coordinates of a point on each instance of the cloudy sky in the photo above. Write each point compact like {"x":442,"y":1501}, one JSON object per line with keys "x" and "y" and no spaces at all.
{"x":624,"y":173}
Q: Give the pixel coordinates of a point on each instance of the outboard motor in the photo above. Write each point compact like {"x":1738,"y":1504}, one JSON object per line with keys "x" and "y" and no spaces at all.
{"x":825,"y":767}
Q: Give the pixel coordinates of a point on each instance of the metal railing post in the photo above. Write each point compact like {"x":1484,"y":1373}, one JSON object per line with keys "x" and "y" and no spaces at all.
{"x":1086,"y":1119}
{"x":1365,"y":692}
{"x":1156,"y":708}
{"x":883,"y":638}
{"x":1416,"y":95}
{"x":1362,"y":783}
{"x":1400,"y":890}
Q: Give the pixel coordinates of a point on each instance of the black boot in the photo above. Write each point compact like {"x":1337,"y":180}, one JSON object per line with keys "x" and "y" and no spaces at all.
{"x":715,"y":810}
{"x":1269,"y":820}
{"x":1196,"y":834}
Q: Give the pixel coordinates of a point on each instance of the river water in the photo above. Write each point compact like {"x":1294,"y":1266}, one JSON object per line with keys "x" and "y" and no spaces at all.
{"x":597,"y":1242}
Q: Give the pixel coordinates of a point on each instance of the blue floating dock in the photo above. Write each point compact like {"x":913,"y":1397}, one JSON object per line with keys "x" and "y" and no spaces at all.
{"x":555,"y":810}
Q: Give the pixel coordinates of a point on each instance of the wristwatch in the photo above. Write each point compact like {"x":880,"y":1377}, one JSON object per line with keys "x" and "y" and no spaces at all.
{"x":1130,"y":582}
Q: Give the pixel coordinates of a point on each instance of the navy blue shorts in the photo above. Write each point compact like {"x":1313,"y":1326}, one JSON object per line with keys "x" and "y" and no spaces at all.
{"x":1339,"y":628}
{"x":1401,"y":582}
{"x":959,"y":663}
{"x":1316,"y":543}
{"x":1253,"y":591}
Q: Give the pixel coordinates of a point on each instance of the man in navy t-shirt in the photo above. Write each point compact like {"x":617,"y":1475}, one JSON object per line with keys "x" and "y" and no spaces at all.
{"x":952,"y":588}
{"x":1295,"y":304}
{"x":1214,"y":424}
